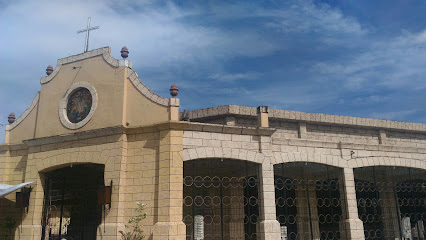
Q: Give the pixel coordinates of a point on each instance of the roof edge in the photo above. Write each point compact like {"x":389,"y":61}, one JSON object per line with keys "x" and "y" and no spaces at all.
{"x":24,"y":114}
{"x":319,"y":118}
{"x":145,"y":91}
{"x":105,"y":52}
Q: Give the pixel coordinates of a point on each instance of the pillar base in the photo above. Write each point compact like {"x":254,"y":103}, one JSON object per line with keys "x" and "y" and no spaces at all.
{"x":28,"y":232}
{"x":110,"y":230}
{"x":268,"y":230}
{"x":169,"y":231}
{"x":354,"y":229}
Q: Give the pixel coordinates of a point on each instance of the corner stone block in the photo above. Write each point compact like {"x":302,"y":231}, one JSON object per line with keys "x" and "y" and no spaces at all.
{"x":169,"y":231}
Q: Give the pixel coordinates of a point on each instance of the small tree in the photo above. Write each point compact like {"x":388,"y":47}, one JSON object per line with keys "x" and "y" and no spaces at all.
{"x":133,"y":230}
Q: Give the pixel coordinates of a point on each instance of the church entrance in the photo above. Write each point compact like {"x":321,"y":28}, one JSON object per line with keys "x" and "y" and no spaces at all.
{"x":220,"y":199}
{"x":391,"y":202}
{"x":70,"y":204}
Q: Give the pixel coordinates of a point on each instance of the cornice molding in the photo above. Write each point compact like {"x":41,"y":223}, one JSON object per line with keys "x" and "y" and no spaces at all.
{"x":105,"y":52}
{"x":25,"y":114}
{"x":144,"y":90}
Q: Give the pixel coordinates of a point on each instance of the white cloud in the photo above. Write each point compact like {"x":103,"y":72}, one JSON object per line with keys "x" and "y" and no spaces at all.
{"x":232,"y":77}
{"x":307,"y":17}
{"x":393,"y":115}
{"x":196,"y":46}
{"x":371,"y":99}
{"x":391,"y":63}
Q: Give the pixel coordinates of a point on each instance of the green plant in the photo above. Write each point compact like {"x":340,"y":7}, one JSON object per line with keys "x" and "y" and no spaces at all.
{"x":9,"y":224}
{"x":133,"y":230}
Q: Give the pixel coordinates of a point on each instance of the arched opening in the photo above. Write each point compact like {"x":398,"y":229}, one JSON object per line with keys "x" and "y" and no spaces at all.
{"x":309,"y":200}
{"x":71,"y":209}
{"x":391,"y":202}
{"x":220,"y":199}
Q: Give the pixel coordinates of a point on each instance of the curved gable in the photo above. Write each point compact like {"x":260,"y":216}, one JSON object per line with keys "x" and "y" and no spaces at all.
{"x":120,"y":98}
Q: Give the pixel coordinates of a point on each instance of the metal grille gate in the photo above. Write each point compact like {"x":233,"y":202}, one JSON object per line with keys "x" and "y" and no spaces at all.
{"x":391,"y":202}
{"x":308,"y":207}
{"x":220,"y":199}
{"x":70,"y":203}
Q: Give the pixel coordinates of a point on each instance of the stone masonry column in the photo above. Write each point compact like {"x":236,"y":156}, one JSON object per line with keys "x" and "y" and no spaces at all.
{"x":170,"y":185}
{"x":268,"y":228}
{"x":353,"y":225}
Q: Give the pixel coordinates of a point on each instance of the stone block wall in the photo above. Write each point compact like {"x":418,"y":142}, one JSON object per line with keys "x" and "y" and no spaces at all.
{"x":133,"y":160}
{"x":342,"y":146}
{"x":107,"y":150}
{"x":142,"y":176}
{"x":341,"y":134}
{"x":405,"y":139}
{"x":322,"y":127}
{"x":246,"y":121}
{"x":203,"y":144}
{"x":285,"y":129}
{"x":12,"y":171}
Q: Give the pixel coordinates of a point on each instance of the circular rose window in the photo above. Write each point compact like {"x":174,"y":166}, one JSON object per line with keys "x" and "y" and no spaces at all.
{"x":79,"y":105}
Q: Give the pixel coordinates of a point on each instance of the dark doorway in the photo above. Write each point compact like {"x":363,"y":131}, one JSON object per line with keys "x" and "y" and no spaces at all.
{"x":391,"y":202}
{"x":220,"y":199}
{"x":70,"y":204}
{"x":308,"y":202}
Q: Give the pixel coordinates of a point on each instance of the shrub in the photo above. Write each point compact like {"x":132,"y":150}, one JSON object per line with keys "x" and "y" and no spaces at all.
{"x":133,"y":230}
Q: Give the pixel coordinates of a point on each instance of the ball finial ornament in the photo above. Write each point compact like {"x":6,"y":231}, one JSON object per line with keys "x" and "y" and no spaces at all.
{"x":174,"y":90}
{"x":124,"y":52}
{"x":11,"y":118}
{"x":49,"y":70}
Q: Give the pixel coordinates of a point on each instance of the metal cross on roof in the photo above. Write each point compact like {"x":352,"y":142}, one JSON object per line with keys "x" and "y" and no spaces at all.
{"x":87,"y":30}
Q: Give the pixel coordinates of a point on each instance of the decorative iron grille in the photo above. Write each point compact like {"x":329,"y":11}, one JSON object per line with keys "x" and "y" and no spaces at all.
{"x":391,"y":202}
{"x":308,"y":201}
{"x":225,"y":194}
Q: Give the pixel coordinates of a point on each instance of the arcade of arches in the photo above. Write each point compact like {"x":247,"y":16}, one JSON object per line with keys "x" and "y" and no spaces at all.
{"x":95,"y":141}
{"x":310,"y":200}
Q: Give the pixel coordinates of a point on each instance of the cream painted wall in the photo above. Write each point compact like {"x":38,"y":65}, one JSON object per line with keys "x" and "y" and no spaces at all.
{"x":117,"y":97}
{"x":25,"y":129}
{"x":13,"y":165}
{"x":108,"y":82}
{"x":141,"y":111}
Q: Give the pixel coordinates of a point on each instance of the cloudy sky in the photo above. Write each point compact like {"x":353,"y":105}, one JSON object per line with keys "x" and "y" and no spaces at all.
{"x":355,"y":57}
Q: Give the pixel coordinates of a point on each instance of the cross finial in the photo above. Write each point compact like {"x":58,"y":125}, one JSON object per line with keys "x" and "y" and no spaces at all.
{"x":87,"y":30}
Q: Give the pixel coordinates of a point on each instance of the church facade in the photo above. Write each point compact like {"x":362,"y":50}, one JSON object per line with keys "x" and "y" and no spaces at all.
{"x":96,"y":141}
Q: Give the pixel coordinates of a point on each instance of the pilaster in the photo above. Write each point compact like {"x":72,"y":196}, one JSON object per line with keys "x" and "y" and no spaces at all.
{"x":262,"y":116}
{"x":170,"y":187}
{"x":268,"y":228}
{"x":174,"y":109}
{"x":382,"y":137}
{"x":230,"y":121}
{"x":302,"y":130}
{"x":6,"y":137}
{"x":352,"y":224}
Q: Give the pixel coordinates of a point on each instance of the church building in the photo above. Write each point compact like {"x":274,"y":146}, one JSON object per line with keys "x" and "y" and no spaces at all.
{"x":95,"y":142}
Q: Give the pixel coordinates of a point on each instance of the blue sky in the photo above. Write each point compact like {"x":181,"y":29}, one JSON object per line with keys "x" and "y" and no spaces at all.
{"x":355,"y":57}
